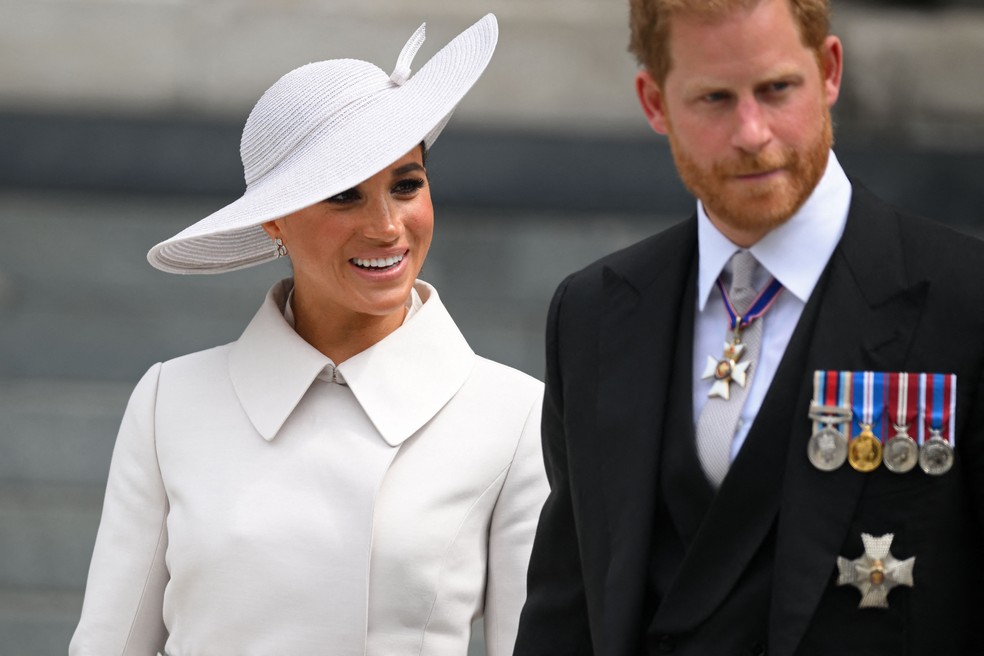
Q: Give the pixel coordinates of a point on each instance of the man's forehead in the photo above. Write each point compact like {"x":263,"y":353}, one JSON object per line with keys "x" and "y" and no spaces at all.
{"x":761,"y":43}
{"x":708,"y":11}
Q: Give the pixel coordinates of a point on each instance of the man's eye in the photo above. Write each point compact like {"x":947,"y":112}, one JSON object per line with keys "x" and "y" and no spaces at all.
{"x":779,"y":89}
{"x":715,"y":97}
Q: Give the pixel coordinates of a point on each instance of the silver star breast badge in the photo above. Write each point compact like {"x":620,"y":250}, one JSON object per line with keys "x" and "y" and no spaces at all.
{"x":876,"y":571}
{"x":725,"y":370}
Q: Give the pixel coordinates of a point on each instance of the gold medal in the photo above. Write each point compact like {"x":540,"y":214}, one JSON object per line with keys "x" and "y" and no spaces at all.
{"x":865,"y":451}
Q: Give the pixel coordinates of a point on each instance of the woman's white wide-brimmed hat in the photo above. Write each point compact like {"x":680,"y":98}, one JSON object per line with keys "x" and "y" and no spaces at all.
{"x":322,"y":129}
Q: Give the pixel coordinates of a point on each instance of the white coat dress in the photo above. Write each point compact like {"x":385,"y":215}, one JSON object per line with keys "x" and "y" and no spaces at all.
{"x":254,"y":508}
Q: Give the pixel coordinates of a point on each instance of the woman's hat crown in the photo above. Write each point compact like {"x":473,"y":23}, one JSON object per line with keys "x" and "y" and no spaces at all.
{"x":299,"y":103}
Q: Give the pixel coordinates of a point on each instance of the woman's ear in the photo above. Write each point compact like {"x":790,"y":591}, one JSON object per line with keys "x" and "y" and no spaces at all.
{"x":272,"y":228}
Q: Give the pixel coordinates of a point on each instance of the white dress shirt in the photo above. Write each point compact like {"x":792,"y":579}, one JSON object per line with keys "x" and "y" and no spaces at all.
{"x":795,"y":253}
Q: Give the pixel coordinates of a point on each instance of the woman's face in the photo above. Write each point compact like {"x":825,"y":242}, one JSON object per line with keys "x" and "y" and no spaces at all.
{"x":359,"y":252}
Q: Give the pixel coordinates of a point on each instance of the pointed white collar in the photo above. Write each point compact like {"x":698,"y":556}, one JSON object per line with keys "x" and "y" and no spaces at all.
{"x":401,"y":382}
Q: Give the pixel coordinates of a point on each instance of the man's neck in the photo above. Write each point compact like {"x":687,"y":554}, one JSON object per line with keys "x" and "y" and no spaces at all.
{"x":741,"y":238}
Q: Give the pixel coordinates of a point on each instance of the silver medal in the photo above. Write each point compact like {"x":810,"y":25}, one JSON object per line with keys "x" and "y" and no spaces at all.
{"x":901,"y":452}
{"x":827,"y":447}
{"x":876,"y":571}
{"x":936,"y":455}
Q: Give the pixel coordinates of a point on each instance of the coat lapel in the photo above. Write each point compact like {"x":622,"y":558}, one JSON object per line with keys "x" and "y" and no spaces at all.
{"x":741,"y":514}
{"x":685,"y":489}
{"x":638,"y":332}
{"x":868,"y":312}
{"x":270,"y":367}
{"x":405,"y":379}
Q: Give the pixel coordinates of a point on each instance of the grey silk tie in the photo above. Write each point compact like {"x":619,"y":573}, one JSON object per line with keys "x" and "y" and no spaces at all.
{"x":718,"y":420}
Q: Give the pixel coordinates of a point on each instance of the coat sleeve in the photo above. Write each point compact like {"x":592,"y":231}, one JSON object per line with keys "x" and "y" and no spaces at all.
{"x":511,"y":537}
{"x":555,"y":617}
{"x":123,"y":608}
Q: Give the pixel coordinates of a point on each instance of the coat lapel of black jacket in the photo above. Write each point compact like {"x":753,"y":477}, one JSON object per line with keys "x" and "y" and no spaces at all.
{"x":867,"y":317}
{"x":686,"y":492}
{"x":638,"y":337}
{"x":742,"y":513}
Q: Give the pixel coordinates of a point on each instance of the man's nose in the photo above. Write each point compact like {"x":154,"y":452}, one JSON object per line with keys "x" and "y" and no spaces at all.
{"x":752,"y":132}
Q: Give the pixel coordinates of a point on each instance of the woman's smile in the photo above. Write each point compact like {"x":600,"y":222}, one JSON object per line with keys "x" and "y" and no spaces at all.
{"x":383,"y":262}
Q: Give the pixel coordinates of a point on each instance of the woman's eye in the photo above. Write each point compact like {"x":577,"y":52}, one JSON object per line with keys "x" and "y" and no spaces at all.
{"x":408,"y":186}
{"x":345,"y":197}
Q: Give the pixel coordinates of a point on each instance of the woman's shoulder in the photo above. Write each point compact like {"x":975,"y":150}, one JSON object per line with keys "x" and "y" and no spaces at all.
{"x":198,"y":362}
{"x":491,"y":368}
{"x":186,"y":374}
{"x":509,"y":384}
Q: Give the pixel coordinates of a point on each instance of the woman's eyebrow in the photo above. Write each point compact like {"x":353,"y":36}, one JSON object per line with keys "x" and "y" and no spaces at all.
{"x":406,"y":168}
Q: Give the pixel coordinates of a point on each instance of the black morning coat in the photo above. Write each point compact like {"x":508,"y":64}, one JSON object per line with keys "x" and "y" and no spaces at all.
{"x":635,"y":553}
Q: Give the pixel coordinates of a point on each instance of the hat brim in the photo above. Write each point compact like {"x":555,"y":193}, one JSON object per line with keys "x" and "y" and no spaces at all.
{"x":359,"y":141}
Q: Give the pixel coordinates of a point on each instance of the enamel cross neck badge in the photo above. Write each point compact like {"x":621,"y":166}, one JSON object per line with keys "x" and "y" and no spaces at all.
{"x":730,"y":368}
{"x":876,"y":571}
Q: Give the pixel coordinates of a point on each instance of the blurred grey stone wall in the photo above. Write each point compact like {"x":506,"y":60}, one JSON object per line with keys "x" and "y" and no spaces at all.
{"x":561,"y":66}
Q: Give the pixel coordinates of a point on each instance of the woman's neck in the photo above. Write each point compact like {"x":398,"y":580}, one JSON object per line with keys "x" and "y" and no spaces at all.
{"x":339,"y":333}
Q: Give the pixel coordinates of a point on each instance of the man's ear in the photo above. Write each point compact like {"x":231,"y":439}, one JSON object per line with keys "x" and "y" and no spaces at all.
{"x":652,"y":101}
{"x":831,"y":68}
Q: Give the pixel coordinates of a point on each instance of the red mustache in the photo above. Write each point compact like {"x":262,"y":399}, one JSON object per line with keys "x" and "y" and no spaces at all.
{"x":745,"y":165}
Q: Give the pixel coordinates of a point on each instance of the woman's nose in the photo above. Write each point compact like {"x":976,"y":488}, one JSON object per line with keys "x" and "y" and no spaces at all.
{"x":382,"y":220}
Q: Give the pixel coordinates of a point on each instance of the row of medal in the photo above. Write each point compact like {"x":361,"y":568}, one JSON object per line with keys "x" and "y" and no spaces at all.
{"x":896,"y":419}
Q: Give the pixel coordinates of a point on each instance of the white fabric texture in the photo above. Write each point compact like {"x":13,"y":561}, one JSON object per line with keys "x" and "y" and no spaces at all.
{"x":324,"y":128}
{"x":719,"y":418}
{"x":795,"y":254}
{"x":253,"y":509}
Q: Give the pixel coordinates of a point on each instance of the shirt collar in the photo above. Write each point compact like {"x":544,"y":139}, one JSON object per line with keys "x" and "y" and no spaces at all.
{"x":401,"y":382}
{"x":797,"y":251}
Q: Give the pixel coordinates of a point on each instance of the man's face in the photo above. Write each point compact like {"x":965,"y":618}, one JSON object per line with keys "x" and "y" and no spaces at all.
{"x":746,"y":108}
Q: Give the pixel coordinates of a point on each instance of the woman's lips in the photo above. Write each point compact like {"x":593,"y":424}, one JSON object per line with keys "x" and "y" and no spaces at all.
{"x":378,"y":262}
{"x":383,"y":267}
